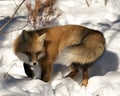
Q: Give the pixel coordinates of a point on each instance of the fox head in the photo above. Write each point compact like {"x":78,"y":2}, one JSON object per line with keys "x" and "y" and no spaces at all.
{"x":29,"y":47}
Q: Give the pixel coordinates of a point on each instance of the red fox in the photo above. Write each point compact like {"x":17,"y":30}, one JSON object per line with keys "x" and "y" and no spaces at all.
{"x":77,"y":45}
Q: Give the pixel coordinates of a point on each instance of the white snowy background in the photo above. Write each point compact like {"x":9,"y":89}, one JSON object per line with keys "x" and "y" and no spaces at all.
{"x":104,"y":74}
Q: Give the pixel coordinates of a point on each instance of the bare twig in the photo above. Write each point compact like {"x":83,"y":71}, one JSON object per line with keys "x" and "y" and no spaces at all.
{"x":15,"y":3}
{"x":1,"y":59}
{"x":87,"y":3}
{"x":106,"y":2}
{"x":11,"y":17}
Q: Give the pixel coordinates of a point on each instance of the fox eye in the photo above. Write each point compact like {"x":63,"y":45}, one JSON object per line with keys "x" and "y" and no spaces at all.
{"x":27,"y":53}
{"x":38,"y":53}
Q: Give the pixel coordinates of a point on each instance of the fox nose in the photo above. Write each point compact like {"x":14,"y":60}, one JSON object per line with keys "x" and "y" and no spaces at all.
{"x":34,"y":63}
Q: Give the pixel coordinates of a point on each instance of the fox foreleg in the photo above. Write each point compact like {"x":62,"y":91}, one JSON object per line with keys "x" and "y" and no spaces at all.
{"x":46,"y":69}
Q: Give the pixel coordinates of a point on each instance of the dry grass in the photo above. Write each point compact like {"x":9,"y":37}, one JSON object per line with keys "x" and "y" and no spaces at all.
{"x":43,"y":13}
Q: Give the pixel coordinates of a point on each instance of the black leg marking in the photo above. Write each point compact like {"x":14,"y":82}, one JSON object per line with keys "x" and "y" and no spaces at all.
{"x":29,"y":72}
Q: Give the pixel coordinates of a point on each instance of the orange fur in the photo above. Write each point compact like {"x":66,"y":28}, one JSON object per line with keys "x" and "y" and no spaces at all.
{"x":73,"y":44}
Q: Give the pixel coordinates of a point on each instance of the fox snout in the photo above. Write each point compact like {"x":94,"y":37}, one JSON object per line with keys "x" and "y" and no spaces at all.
{"x":33,"y":63}
{"x":29,"y":58}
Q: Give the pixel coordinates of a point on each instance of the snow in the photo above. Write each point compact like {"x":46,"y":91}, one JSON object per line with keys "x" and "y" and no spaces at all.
{"x":104,"y":74}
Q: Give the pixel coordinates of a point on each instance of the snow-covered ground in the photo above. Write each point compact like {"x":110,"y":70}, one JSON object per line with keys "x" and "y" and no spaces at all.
{"x":104,"y":74}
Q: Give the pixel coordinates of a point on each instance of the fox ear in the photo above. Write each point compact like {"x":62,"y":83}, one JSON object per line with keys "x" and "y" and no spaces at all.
{"x":24,"y":36}
{"x":42,"y":38}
